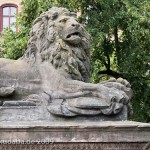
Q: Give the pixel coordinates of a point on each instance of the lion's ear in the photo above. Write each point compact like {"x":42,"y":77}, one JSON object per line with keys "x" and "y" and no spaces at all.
{"x":51,"y":34}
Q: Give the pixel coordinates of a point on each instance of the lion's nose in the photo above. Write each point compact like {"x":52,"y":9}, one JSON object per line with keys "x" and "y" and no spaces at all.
{"x":75,"y":24}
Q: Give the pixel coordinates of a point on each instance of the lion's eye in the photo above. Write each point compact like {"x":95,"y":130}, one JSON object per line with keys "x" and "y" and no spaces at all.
{"x":63,"y":20}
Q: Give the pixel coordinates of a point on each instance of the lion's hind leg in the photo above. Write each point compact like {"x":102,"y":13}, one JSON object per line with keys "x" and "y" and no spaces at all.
{"x":6,"y":91}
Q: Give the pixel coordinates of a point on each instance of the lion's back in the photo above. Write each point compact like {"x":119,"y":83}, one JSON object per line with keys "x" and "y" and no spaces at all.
{"x":20,"y":75}
{"x":4,"y":62}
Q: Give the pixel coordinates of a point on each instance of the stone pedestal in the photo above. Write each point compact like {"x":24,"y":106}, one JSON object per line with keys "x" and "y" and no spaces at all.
{"x":108,"y":135}
{"x":40,"y":113}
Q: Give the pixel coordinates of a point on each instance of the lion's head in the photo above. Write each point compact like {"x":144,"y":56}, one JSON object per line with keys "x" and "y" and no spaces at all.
{"x":58,"y":38}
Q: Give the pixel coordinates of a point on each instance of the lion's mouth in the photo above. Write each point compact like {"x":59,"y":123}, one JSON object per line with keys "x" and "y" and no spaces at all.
{"x":75,"y":34}
{"x":74,"y":38}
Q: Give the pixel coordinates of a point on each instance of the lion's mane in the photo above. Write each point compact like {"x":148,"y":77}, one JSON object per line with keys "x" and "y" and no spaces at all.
{"x":46,"y":44}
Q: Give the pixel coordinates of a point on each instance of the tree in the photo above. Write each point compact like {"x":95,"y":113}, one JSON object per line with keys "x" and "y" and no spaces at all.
{"x":15,"y":43}
{"x":120,"y":46}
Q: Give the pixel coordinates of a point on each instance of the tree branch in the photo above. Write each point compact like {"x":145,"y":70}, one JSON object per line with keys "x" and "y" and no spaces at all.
{"x":111,"y":73}
{"x":117,"y":43}
{"x":108,"y":59}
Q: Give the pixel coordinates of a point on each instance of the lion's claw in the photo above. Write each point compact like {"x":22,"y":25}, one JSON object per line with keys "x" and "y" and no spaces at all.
{"x":124,"y":82}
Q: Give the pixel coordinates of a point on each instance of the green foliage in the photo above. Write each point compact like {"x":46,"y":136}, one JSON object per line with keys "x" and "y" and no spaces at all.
{"x":120,"y":46}
{"x":14,"y":44}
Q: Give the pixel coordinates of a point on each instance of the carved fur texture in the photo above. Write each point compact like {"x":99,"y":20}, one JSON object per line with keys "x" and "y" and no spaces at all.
{"x":48,"y":38}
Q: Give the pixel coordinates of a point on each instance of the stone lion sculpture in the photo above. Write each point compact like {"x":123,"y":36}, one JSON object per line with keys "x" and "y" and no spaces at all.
{"x":54,"y":71}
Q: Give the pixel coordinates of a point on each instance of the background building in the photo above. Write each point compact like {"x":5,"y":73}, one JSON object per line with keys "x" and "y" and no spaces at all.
{"x":8,"y":10}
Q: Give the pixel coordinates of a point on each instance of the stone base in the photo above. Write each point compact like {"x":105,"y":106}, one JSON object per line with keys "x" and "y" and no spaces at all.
{"x":78,"y":146}
{"x":108,"y":135}
{"x":36,"y":113}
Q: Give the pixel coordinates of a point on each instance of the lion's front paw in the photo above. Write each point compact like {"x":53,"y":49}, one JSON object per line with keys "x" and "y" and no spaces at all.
{"x":116,"y":82}
{"x":124,"y":82}
{"x":122,"y":87}
{"x":120,"y":84}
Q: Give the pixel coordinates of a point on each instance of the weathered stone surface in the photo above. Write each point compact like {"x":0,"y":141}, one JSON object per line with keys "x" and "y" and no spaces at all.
{"x":104,"y":132}
{"x":38,"y":113}
{"x":78,"y":146}
{"x":51,"y":80}
{"x":18,"y":103}
{"x":54,"y":71}
{"x":6,"y":91}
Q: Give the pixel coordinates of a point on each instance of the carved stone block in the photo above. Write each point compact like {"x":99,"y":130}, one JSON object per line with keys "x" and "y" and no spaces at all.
{"x":40,"y":135}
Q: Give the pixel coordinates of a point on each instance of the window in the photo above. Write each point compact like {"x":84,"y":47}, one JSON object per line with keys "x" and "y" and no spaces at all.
{"x":8,"y":12}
